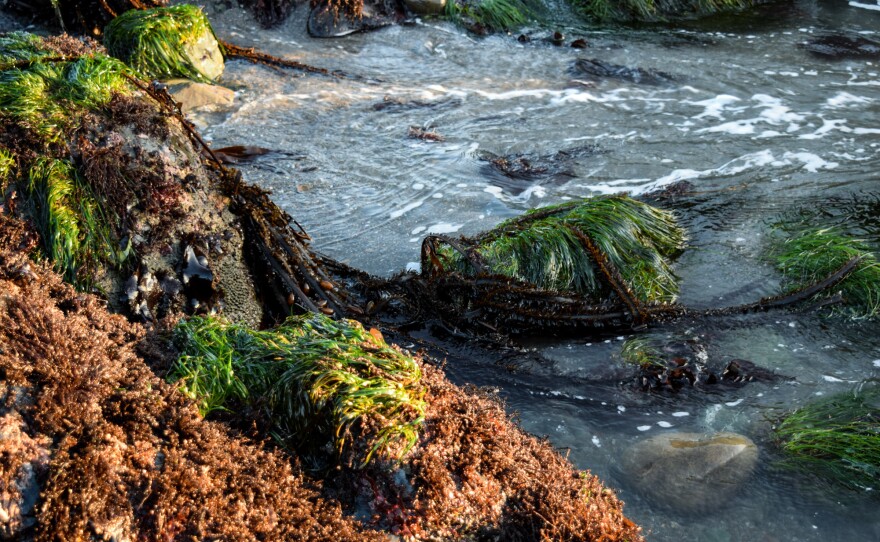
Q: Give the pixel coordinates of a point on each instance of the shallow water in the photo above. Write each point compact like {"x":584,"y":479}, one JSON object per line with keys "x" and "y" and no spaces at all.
{"x":756,"y":124}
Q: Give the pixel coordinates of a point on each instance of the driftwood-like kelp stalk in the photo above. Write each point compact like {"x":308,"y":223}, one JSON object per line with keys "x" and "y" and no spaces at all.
{"x":837,"y":438}
{"x":323,"y":381}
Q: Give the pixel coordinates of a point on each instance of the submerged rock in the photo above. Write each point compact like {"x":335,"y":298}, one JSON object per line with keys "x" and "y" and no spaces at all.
{"x":599,"y":69}
{"x":691,"y":472}
{"x":838,"y":47}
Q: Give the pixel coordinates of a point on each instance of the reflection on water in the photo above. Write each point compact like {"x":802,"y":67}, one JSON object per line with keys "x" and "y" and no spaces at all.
{"x":758,"y":126}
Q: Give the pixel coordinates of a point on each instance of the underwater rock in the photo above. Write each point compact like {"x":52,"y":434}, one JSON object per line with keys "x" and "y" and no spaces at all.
{"x":425,"y":7}
{"x":691,"y":472}
{"x":839,"y":47}
{"x":599,"y":69}
{"x":325,"y":22}
{"x":192,"y":94}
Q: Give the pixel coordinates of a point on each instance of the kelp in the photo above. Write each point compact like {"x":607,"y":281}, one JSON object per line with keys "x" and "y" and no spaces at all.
{"x":837,"y":438}
{"x":321,"y":381}
{"x":590,"y":247}
{"x":658,"y":10}
{"x":160,"y":43}
{"x":810,"y":253}
{"x":493,"y":15}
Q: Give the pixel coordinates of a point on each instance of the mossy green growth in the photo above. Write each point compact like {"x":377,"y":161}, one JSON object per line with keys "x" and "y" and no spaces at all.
{"x":494,"y":15}
{"x":318,"y":379}
{"x":49,"y":97}
{"x":641,"y":352}
{"x":812,"y":254}
{"x":639,"y":240}
{"x":68,"y":218}
{"x":162,"y":43}
{"x":657,"y":10}
{"x":7,"y":167}
{"x":837,"y":437}
{"x":20,"y":46}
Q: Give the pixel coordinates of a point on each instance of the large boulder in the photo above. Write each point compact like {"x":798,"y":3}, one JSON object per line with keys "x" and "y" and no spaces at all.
{"x":691,"y":472}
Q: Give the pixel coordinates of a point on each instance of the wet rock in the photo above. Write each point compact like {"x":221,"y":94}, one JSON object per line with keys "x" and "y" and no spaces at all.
{"x":691,"y":472}
{"x":425,"y":7}
{"x":516,"y":173}
{"x":599,"y":69}
{"x":326,"y":23}
{"x":192,"y":95}
{"x":838,"y":47}
{"x":205,"y":55}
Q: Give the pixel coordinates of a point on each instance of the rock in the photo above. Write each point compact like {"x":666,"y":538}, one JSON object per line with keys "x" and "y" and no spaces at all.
{"x":425,"y":7}
{"x":691,"y":472}
{"x":599,"y":69}
{"x":205,"y":55}
{"x":191,"y":94}
{"x":324,"y":22}
{"x":835,"y":47}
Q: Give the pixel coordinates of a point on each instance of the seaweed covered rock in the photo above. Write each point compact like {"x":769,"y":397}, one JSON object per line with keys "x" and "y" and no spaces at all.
{"x":659,"y":10}
{"x":112,"y":180}
{"x":163,"y":43}
{"x":130,"y":457}
{"x":87,"y":16}
{"x":597,"y":259}
{"x":809,"y":253}
{"x":837,"y":438}
{"x":426,"y":458}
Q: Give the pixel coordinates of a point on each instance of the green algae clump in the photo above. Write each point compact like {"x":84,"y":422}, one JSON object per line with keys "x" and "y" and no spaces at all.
{"x":812,"y":253}
{"x":566,"y":248}
{"x":837,"y":437}
{"x":164,"y":43}
{"x":321,"y":380}
{"x":658,"y":10}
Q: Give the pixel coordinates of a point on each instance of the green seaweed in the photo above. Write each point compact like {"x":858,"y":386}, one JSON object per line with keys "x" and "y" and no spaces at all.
{"x":318,"y":378}
{"x":641,"y":352}
{"x":657,"y":10}
{"x":810,"y":254}
{"x":837,"y":438}
{"x":154,"y":41}
{"x":495,"y":15}
{"x":7,"y":166}
{"x":20,"y":46}
{"x":639,"y":240}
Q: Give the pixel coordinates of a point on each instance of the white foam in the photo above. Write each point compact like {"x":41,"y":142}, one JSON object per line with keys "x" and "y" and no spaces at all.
{"x":405,"y":209}
{"x":596,"y":441}
{"x":876,"y":363}
{"x":812,"y":162}
{"x":828,"y":126}
{"x":680,"y":414}
{"x":734,"y":403}
{"x":444,"y":227}
{"x":418,"y":230}
{"x":414,"y":266}
{"x":860,"y":5}
{"x":865,"y":131}
{"x":643,"y":427}
{"x":714,"y":107}
{"x":828,"y":378}
{"x":664,"y":424}
{"x":844,"y":99}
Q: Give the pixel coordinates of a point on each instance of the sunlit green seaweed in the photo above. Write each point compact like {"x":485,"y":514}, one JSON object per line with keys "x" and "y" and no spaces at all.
{"x":657,"y":10}
{"x":157,"y":42}
{"x":637,"y":239}
{"x":814,"y":253}
{"x":837,"y":437}
{"x":495,"y":15}
{"x":318,"y":378}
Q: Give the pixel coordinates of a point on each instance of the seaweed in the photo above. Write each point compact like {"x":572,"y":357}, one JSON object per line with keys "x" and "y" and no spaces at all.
{"x":159,"y":43}
{"x":322,"y":380}
{"x":576,"y":247}
{"x":837,"y":437}
{"x":493,"y":15}
{"x":813,"y":252}
{"x":657,"y":10}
